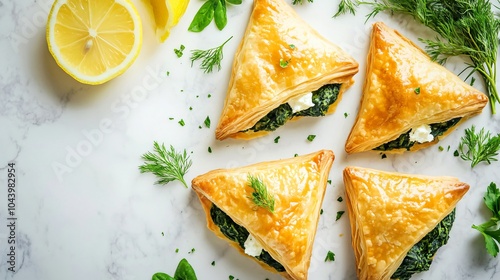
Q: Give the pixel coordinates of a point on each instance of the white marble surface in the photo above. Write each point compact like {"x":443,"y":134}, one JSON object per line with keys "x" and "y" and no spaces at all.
{"x":85,"y":212}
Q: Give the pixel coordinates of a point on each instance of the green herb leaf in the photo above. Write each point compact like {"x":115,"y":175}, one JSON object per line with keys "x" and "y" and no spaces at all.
{"x":220,"y":15}
{"x":261,"y":197}
{"x":277,"y":139}
{"x":235,"y":2}
{"x":346,"y":6}
{"x":311,"y":137}
{"x":210,"y":58}
{"x":479,"y":147}
{"x":184,"y":271}
{"x":162,"y":276}
{"x":321,"y":212}
{"x":213,"y":263}
{"x":489,"y":229}
{"x":340,"y":199}
{"x":182,"y":123}
{"x":456,"y":154}
{"x":284,"y":63}
{"x":292,"y":46}
{"x":417,"y":91}
{"x":330,"y":256}
{"x":167,"y":165}
{"x":339,"y":215}
{"x":209,"y":149}
{"x":440,"y":148}
{"x":203,"y":17}
{"x":180,"y":51}
{"x":207,"y":122}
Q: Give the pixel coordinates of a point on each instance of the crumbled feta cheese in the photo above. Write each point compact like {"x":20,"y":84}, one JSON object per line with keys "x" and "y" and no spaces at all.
{"x":421,"y":134}
{"x":252,"y":247}
{"x":301,"y":103}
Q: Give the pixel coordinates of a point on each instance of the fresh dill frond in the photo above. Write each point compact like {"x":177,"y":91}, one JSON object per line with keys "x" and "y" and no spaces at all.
{"x":167,"y":165}
{"x":466,"y":27}
{"x":479,"y":147}
{"x":300,"y":2}
{"x":261,"y":196}
{"x":210,"y":57}
{"x":346,"y":6}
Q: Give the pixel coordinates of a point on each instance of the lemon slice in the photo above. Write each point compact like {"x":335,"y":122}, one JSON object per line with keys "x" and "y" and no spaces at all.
{"x":94,"y":40}
{"x":167,"y":14}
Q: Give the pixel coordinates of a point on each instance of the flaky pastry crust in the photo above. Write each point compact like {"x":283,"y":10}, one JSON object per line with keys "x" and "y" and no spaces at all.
{"x":390,"y":212}
{"x":391,"y":104}
{"x":298,"y":186}
{"x":258,"y":83}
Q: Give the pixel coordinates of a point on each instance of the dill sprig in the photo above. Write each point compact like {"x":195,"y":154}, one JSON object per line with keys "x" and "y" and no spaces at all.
{"x":300,"y":2}
{"x":167,"y":165}
{"x":479,"y":147}
{"x":466,"y":27}
{"x":346,"y":6}
{"x":210,"y":57}
{"x":261,"y":197}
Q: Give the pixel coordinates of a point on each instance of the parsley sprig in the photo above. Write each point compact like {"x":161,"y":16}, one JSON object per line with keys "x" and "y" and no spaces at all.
{"x":479,"y":147}
{"x":209,"y":58}
{"x":261,"y":196}
{"x":167,"y":165}
{"x":465,"y":27}
{"x":490,"y":229}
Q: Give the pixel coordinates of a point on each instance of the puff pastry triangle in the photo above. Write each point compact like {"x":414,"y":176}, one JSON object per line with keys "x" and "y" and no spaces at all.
{"x":403,"y":90}
{"x":390,"y":212}
{"x":287,"y":235}
{"x":280,"y":57}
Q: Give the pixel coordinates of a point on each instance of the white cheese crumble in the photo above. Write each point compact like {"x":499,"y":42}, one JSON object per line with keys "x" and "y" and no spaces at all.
{"x":301,"y":103}
{"x":421,"y":134}
{"x":252,"y":247}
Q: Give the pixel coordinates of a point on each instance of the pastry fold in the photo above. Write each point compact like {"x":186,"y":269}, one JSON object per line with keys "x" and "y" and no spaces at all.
{"x":297,"y":186}
{"x":279,"y":58}
{"x":390,"y":212}
{"x":404,"y":89}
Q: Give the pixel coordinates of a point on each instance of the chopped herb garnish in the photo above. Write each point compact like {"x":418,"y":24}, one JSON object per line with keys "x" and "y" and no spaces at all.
{"x":192,"y":251}
{"x":182,"y":123}
{"x":296,"y":155}
{"x":168,"y":73}
{"x":171,"y":119}
{"x":346,"y":115}
{"x":213,"y":263}
{"x":329,"y":181}
{"x":231,"y":277}
{"x":167,"y":165}
{"x":440,"y":148}
{"x":340,"y":199}
{"x":292,"y":46}
{"x":209,"y":58}
{"x":311,"y":137}
{"x":180,"y":51}
{"x":207,"y":122}
{"x":417,"y":90}
{"x":330,"y":256}
{"x":199,"y":127}
{"x":162,"y":234}
{"x":284,"y":63}
{"x":277,"y":139}
{"x":177,"y":250}
{"x":339,"y":215}
{"x":472,"y":81}
{"x":456,"y":154}
{"x":209,"y":149}
{"x":209,"y":95}
{"x":479,"y":147}
{"x":489,"y":229}
{"x":321,"y":212}
{"x":191,"y":108}
{"x":261,"y":197}
{"x":384,"y":156}
{"x":448,"y":148}
{"x":296,"y":2}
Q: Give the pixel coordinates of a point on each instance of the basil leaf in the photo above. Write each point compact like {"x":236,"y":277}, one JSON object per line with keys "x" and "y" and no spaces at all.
{"x":203,"y":17}
{"x":185,"y":271}
{"x":234,"y":2}
{"x":162,"y":276}
{"x":220,"y":15}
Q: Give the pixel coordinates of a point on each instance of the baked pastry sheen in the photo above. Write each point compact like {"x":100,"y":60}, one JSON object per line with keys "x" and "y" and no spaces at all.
{"x":390,"y":212}
{"x":298,"y":186}
{"x":259,"y":84}
{"x":405,"y":89}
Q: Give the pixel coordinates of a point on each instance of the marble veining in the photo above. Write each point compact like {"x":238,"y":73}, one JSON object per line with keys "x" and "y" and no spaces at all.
{"x":85,"y":212}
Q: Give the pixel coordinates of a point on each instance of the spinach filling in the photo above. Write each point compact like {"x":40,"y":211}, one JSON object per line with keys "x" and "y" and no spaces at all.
{"x":322,"y":99}
{"x":403,"y":141}
{"x":239,"y":234}
{"x":420,"y":256}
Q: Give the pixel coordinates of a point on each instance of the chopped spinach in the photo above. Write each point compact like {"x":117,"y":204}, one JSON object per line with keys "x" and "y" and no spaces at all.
{"x":420,"y":256}
{"x":403,"y":141}
{"x":322,"y":99}
{"x":239,"y":234}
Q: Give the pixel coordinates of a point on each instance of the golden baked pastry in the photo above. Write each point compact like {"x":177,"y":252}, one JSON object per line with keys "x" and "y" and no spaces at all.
{"x":405,"y":93}
{"x":398,"y":221}
{"x":281,"y":58}
{"x":286,"y":235}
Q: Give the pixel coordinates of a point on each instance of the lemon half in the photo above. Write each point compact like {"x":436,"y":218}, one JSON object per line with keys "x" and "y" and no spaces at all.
{"x":167,"y":14}
{"x":94,"y":40}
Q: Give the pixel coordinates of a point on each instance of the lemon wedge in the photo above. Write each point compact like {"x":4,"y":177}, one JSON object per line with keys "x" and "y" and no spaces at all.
{"x":167,"y":14}
{"x":94,"y":40}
